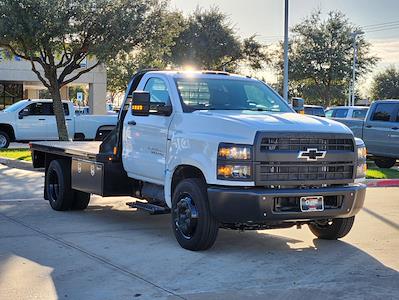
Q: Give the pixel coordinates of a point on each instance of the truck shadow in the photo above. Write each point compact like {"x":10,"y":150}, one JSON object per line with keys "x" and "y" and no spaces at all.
{"x":120,"y":247}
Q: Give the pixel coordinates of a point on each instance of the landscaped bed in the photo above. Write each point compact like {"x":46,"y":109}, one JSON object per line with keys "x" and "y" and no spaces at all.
{"x":382,"y":173}
{"x":17,"y":154}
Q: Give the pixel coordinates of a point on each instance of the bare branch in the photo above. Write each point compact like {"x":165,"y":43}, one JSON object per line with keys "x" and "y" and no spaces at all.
{"x":79,"y":74}
{"x":41,"y":78}
{"x":13,"y":51}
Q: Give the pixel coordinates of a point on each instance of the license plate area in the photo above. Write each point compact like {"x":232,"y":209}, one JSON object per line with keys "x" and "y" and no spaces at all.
{"x":311,"y":203}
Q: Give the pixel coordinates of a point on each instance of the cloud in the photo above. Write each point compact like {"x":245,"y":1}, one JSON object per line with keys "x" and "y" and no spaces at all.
{"x":387,"y":50}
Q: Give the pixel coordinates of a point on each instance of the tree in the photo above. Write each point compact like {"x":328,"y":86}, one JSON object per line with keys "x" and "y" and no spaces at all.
{"x":56,"y":36}
{"x":386,"y":84}
{"x":320,"y":58}
{"x":208,"y":41}
{"x":150,"y":54}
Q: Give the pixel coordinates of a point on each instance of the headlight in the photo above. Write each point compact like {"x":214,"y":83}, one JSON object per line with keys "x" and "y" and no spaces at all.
{"x":234,"y":172}
{"x":234,"y":162}
{"x":361,"y":153}
{"x":361,"y":167}
{"x":234,"y":152}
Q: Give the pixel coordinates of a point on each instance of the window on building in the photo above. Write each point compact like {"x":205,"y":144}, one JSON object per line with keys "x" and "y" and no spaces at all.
{"x":10,"y":93}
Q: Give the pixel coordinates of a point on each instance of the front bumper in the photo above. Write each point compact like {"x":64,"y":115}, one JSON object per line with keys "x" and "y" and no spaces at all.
{"x":257,"y":205}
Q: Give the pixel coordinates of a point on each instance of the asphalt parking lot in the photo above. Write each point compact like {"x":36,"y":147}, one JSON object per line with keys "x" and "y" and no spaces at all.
{"x":112,"y":252}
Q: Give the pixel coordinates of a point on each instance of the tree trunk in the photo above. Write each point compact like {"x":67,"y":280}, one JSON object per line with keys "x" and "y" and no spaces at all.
{"x":59,"y":113}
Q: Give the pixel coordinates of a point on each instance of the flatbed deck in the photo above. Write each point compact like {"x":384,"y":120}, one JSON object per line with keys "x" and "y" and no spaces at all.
{"x":88,"y":150}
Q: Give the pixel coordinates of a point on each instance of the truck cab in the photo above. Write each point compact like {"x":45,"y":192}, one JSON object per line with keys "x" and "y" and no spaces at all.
{"x":218,"y":150}
{"x":380,"y":131}
{"x":34,"y":120}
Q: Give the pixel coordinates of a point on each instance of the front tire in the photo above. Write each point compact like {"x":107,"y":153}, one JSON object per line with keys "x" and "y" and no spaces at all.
{"x":58,"y":185}
{"x":193,"y":224}
{"x":385,"y":162}
{"x":4,"y":140}
{"x":335,"y":229}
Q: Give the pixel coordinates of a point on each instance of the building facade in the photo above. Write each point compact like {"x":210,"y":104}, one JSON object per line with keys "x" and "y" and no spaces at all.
{"x":18,"y":81}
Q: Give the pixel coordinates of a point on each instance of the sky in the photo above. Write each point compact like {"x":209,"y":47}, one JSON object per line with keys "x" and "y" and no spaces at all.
{"x":265,"y":18}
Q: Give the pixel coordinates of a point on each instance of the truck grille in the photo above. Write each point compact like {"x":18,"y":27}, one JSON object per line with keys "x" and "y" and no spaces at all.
{"x":301,"y":144}
{"x":277,"y":163}
{"x":304,"y":171}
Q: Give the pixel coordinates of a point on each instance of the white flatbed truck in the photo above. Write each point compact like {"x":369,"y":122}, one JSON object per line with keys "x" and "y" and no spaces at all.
{"x":216,"y":151}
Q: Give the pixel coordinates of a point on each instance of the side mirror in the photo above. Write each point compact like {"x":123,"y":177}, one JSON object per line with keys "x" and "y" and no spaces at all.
{"x":23,"y":113}
{"x":141,"y":103}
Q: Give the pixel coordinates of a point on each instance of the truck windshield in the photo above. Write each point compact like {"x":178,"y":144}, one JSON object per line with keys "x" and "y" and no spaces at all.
{"x":228,"y":94}
{"x":15,"y":106}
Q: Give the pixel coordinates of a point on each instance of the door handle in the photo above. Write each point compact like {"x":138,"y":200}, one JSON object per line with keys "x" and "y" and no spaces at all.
{"x":69,"y":119}
{"x":395,"y":128}
{"x":132,"y":123}
{"x":368,"y":126}
{"x":42,"y":119}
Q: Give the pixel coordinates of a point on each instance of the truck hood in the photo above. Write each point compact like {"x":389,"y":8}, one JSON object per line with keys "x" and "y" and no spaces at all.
{"x":6,"y":117}
{"x":245,"y":124}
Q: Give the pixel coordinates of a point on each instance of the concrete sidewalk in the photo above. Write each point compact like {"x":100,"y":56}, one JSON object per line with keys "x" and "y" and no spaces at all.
{"x":112,"y":252}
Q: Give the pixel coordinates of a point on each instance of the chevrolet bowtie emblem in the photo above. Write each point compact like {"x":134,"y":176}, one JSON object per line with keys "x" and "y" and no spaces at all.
{"x":312,"y":154}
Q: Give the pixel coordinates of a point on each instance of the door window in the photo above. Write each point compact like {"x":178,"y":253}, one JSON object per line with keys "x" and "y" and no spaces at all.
{"x":359,"y":113}
{"x":383,"y":112}
{"x":329,"y":113}
{"x":43,"y":109}
{"x":340,"y":113}
{"x":158,"y":91}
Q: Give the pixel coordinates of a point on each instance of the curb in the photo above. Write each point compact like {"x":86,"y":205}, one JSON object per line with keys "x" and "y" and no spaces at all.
{"x":18,"y":164}
{"x":382,"y":182}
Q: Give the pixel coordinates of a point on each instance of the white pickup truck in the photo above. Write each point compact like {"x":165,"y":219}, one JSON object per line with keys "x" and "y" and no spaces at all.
{"x":34,"y":120}
{"x":216,"y":151}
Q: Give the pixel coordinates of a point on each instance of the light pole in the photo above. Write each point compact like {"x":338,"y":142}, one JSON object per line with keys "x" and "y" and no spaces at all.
{"x":285,"y":88}
{"x":351,"y":97}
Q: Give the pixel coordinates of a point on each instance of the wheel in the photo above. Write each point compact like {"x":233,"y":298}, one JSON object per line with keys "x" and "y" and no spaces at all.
{"x":193,"y":225}
{"x":81,"y":200}
{"x":385,"y":162}
{"x":4,"y":140}
{"x":58,"y":185}
{"x":332,"y":230}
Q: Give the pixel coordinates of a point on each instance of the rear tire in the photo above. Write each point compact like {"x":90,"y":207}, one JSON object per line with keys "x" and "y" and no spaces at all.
{"x":81,"y":200}
{"x":193,"y":224}
{"x":4,"y":140}
{"x":385,"y":162}
{"x":58,"y":185}
{"x":336,"y":229}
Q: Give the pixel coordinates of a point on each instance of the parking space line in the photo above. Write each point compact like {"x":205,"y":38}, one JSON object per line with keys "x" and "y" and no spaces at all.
{"x":91,"y":255}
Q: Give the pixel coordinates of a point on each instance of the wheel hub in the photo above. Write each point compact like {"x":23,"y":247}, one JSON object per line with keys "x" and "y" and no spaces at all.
{"x":186,"y":216}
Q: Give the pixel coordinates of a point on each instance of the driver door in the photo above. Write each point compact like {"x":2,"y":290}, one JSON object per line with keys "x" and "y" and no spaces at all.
{"x":145,"y":137}
{"x":33,"y":122}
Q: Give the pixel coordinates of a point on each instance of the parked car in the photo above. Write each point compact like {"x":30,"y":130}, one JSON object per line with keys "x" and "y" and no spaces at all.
{"x":347,"y":112}
{"x":379,"y":131}
{"x":34,"y":119}
{"x":216,"y":151}
{"x":314,"y":110}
